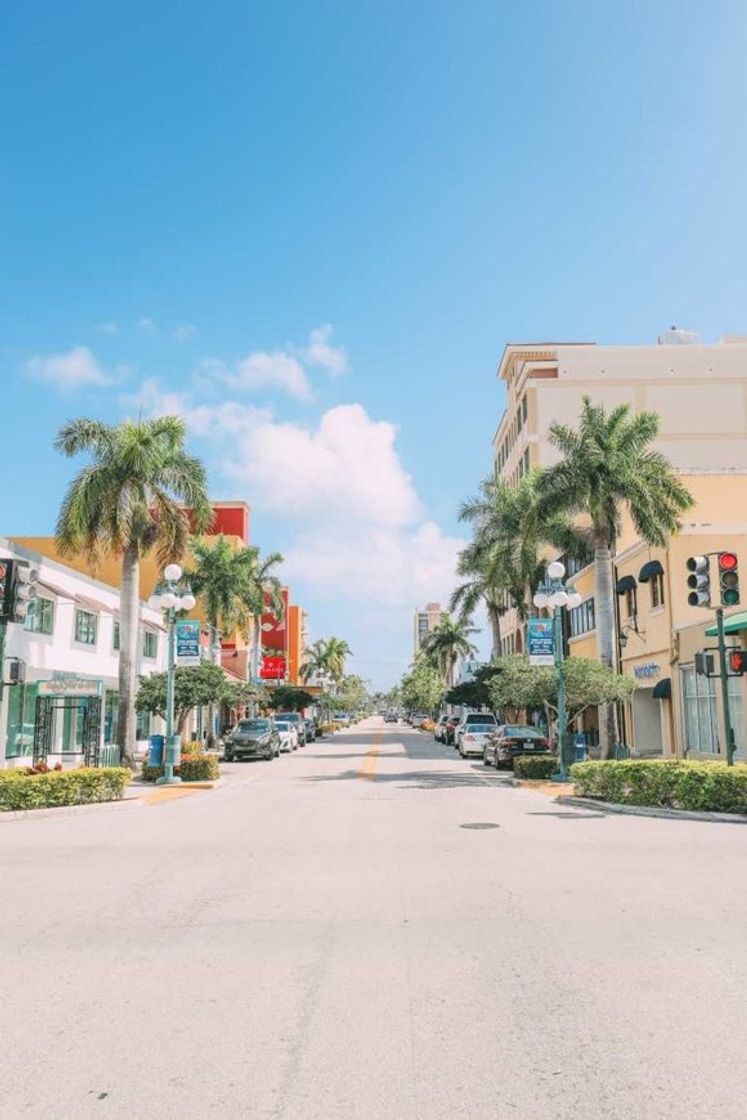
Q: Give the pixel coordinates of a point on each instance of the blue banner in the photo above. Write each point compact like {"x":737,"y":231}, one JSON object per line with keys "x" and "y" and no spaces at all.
{"x":187,"y":642}
{"x":540,"y":641}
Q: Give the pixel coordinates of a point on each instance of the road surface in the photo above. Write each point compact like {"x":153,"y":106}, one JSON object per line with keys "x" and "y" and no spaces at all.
{"x":326,"y":937}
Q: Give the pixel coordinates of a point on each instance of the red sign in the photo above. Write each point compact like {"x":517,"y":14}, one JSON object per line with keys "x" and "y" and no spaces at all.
{"x":273,"y":668}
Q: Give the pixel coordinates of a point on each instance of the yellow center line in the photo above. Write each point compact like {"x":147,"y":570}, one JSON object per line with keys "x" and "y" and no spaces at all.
{"x":168,"y":794}
{"x":367,"y":771}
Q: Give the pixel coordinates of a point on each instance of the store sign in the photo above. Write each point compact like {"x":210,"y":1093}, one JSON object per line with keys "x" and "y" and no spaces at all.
{"x":646,"y":670}
{"x":69,"y":686}
{"x":540,"y":641}
{"x":187,"y":642}
{"x":273,"y":668}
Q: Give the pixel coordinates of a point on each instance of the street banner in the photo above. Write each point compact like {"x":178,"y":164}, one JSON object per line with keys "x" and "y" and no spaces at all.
{"x":187,"y":642}
{"x":273,"y":668}
{"x":540,"y":641}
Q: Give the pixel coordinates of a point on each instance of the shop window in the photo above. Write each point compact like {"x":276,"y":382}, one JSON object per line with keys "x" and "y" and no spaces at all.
{"x":21,"y":720}
{"x":111,"y":716}
{"x":150,"y":644}
{"x":85,"y":628}
{"x":40,"y":616}
{"x":699,"y":716}
{"x":657,"y":590}
{"x":142,"y":725}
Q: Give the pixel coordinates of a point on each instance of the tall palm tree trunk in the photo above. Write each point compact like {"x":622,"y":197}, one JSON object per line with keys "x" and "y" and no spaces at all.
{"x":605,"y":623}
{"x":128,"y":638}
{"x":210,"y":738}
{"x":495,"y":633}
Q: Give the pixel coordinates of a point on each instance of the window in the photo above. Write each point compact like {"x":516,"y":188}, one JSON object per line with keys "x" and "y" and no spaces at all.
{"x":631,"y":602}
{"x":573,"y":565}
{"x":582,"y":619}
{"x":150,"y":644}
{"x":40,"y":617}
{"x":699,"y":711}
{"x":111,"y":716}
{"x":21,"y":720}
{"x":657,"y":590}
{"x":524,"y":409}
{"x":85,"y":628}
{"x":142,"y":725}
{"x":526,"y":460}
{"x":116,"y":636}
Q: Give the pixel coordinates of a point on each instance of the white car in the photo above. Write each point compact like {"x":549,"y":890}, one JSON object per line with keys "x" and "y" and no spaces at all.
{"x":474,"y":734}
{"x":288,"y":736}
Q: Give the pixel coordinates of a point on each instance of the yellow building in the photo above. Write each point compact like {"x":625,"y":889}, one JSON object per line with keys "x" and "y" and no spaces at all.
{"x":700,"y":393}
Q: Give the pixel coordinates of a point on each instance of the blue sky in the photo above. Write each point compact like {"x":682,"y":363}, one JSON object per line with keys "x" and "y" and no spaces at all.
{"x":189,"y":191}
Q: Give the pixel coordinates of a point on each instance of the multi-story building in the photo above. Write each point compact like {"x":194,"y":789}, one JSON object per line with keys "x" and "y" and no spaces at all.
{"x":425,"y":621}
{"x":700,"y":394}
{"x":68,"y":697}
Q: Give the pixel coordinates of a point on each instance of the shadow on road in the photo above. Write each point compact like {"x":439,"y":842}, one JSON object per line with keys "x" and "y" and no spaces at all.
{"x":419,"y":779}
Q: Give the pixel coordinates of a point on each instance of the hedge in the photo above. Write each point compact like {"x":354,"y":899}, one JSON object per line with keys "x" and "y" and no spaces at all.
{"x":535,"y":766}
{"x":707,"y":786}
{"x":61,"y":787}
{"x":192,"y":768}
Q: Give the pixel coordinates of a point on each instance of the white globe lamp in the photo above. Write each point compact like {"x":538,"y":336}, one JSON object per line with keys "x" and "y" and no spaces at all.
{"x":173,"y":573}
{"x":556,"y":570}
{"x":188,"y":601}
{"x":540,"y":599}
{"x":558,"y":599}
{"x":169,"y":600}
{"x":574,"y":600}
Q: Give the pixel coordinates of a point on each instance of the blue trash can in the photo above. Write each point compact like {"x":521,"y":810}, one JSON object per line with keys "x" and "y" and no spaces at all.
{"x":580,"y":747}
{"x":155,"y":756}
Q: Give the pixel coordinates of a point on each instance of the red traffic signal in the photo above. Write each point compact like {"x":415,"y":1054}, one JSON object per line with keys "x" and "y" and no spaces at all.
{"x":727,"y":561}
{"x":738,"y":660}
{"x":728,"y":578}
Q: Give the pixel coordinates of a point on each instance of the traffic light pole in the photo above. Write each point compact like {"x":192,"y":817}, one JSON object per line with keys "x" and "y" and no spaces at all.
{"x":729,"y":730}
{"x":3,"y":630}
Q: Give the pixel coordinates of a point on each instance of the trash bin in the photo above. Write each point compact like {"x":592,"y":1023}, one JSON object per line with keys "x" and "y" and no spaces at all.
{"x":155,"y":756}
{"x":580,"y":747}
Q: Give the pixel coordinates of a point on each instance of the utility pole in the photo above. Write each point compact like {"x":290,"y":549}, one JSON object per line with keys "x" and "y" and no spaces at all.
{"x":723,"y":675}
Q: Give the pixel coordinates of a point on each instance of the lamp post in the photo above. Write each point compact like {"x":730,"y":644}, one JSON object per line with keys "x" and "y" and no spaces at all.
{"x":554,"y":594}
{"x":171,"y":602}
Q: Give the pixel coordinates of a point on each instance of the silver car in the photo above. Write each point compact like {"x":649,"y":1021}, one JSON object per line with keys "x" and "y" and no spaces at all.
{"x":288,"y":736}
{"x":474,"y":738}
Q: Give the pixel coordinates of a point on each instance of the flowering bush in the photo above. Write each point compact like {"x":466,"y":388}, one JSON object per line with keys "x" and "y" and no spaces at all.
{"x":41,"y":790}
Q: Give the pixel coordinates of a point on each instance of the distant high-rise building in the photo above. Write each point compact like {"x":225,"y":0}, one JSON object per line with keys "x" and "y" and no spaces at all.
{"x":425,"y":621}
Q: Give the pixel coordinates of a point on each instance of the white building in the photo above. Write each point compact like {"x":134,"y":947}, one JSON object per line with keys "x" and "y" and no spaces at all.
{"x":425,"y":621}
{"x":69,"y":644}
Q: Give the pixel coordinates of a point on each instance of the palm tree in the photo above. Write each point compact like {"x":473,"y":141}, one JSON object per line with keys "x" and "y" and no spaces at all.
{"x":138,"y":493}
{"x":325,"y":662}
{"x":264,"y":593}
{"x":446,"y":642}
{"x":222,"y":577}
{"x":316,"y":663}
{"x":608,"y":465}
{"x":505,"y":561}
{"x":338,"y":652}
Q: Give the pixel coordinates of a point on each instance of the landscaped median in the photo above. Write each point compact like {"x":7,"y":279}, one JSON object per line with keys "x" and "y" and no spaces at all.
{"x":87,"y":786}
{"x":710,"y":787}
{"x":195,"y":765}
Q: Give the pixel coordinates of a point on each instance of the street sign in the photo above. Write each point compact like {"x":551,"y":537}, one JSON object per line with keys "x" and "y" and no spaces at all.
{"x":540,"y":641}
{"x":187,"y":642}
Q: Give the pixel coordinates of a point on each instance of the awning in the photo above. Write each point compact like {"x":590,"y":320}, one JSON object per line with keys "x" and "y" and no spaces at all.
{"x":625,"y":583}
{"x":649,"y":570}
{"x":663,"y":689}
{"x":733,"y":624}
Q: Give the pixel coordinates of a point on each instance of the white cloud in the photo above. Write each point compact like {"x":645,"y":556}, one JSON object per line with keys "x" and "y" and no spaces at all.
{"x":147,"y":325}
{"x":109,"y":327}
{"x":70,"y":370}
{"x":185,"y":331}
{"x":275,"y":369}
{"x":334,"y":359}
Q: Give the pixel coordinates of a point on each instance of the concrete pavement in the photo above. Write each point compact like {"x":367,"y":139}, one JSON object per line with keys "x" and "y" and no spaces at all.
{"x":326,"y":937}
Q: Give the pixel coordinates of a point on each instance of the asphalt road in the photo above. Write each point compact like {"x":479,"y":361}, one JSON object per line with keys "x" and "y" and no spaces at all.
{"x":324,"y":939}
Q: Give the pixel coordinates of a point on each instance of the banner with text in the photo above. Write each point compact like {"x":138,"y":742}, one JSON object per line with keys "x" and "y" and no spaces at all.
{"x":540,"y":641}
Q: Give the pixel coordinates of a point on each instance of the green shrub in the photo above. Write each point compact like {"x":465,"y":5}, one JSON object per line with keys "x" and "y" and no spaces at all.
{"x":66,"y":787}
{"x":662,"y":783}
{"x":192,"y":768}
{"x":535,"y":766}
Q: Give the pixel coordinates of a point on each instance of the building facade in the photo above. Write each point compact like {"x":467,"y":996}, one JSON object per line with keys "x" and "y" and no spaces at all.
{"x":425,"y":621}
{"x":69,"y":648}
{"x":700,"y":394}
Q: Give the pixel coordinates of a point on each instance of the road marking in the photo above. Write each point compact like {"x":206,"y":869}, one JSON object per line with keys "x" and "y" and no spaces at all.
{"x":168,"y":794}
{"x":367,"y":771}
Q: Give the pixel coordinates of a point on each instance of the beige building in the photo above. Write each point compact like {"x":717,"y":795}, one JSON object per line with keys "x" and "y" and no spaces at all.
{"x":425,"y":621}
{"x":700,"y":394}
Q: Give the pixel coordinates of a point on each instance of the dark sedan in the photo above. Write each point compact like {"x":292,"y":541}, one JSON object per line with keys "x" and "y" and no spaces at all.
{"x":252,"y":738}
{"x":512,"y":739}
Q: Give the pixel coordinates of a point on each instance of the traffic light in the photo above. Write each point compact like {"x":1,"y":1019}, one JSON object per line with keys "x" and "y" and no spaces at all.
{"x":22,"y":591}
{"x":6,"y":582}
{"x":738,"y":661}
{"x":704,"y":664}
{"x":728,"y":578}
{"x":699,"y":581}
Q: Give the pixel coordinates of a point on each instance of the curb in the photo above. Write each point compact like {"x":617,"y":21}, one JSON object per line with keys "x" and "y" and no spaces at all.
{"x":646,"y":811}
{"x":69,"y":810}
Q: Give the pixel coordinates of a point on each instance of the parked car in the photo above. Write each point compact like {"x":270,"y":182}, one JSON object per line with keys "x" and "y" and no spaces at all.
{"x":474,"y":738}
{"x":439,"y":730}
{"x":472,"y":718}
{"x":288,"y":735}
{"x":391,"y":717}
{"x":512,"y":739}
{"x":450,"y":726}
{"x":298,"y":722}
{"x":252,"y":738}
{"x":310,"y":730}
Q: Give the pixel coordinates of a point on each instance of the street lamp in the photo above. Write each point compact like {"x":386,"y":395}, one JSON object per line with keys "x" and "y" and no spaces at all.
{"x":171,"y":601}
{"x":556,"y":595}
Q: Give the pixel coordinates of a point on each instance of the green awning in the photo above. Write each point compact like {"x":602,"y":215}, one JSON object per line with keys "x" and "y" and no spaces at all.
{"x":649,"y":570}
{"x":625,"y":583}
{"x":663,"y":689}
{"x":733,"y":624}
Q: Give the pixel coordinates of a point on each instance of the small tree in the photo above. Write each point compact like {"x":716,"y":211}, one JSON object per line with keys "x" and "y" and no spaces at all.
{"x":474,"y":693}
{"x":285,"y":698}
{"x":422,"y":688}
{"x":194,"y":687}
